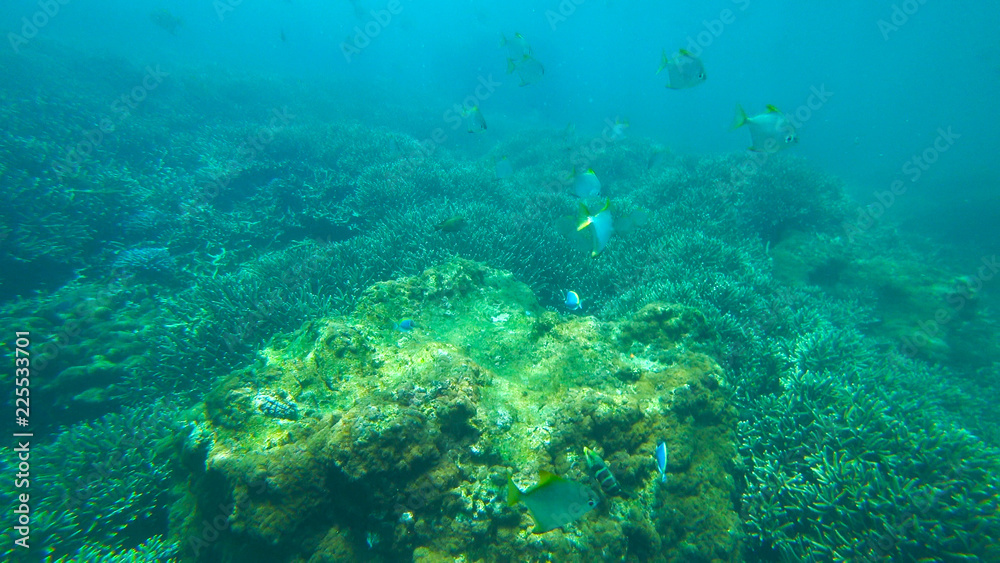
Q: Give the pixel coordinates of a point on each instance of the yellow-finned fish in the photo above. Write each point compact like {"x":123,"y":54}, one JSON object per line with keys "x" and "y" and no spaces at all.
{"x":554,"y":501}
{"x":601,"y":224}
{"x":684,"y":70}
{"x":770,"y":131}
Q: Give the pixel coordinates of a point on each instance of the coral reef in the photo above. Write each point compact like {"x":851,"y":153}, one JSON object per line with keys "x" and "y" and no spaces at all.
{"x":173,"y":261}
{"x":102,"y":487}
{"x":144,"y":261}
{"x":406,"y":438}
{"x":835,"y":476}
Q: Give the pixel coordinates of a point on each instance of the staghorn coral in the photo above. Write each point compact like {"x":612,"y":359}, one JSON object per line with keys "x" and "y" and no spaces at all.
{"x":832,"y":472}
{"x":106,"y":486}
{"x":144,"y":261}
{"x":298,"y":231}
{"x":153,"y":549}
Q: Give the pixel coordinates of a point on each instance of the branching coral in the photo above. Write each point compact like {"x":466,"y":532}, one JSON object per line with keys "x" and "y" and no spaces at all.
{"x":105,"y":485}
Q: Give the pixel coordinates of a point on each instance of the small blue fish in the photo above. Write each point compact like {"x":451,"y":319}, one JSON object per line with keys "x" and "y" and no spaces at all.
{"x":661,"y":460}
{"x":404,"y":325}
{"x":573,"y":301}
{"x":586,"y":184}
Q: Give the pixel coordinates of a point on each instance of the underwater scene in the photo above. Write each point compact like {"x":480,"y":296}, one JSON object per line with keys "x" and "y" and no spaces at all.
{"x":571,"y":280}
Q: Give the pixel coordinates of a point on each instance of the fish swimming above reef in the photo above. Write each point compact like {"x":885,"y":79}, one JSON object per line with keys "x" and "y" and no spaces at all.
{"x":601,"y":226}
{"x":451,"y":224}
{"x":591,"y":231}
{"x":517,"y":46}
{"x":165,"y":19}
{"x":586,"y":184}
{"x":553,"y":502}
{"x":473,"y":119}
{"x":404,"y":325}
{"x":616,"y":130}
{"x":528,"y":69}
{"x":770,"y":131}
{"x":602,"y":473}
{"x":573,"y":301}
{"x":684,"y":70}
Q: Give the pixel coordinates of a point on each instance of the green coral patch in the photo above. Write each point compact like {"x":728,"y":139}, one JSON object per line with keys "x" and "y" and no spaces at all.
{"x":422,"y":428}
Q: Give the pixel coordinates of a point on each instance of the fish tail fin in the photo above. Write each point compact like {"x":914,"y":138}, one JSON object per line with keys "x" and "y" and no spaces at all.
{"x":503,"y":40}
{"x":741,"y":118}
{"x":663,"y":479}
{"x":664,"y":61}
{"x":510,"y":65}
{"x":513,"y":493}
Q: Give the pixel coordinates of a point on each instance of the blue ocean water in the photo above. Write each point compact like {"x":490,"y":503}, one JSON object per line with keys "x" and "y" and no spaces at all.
{"x":896,"y":72}
{"x":114,"y":112}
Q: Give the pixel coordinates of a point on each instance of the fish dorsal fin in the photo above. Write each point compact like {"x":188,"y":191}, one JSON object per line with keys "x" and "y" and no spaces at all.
{"x":686,"y":53}
{"x":772,"y":109}
{"x":546,"y":478}
{"x":607,"y":204}
{"x":585,"y":217}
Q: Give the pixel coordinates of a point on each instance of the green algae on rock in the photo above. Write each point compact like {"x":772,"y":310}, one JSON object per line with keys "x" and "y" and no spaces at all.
{"x":405,"y":440}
